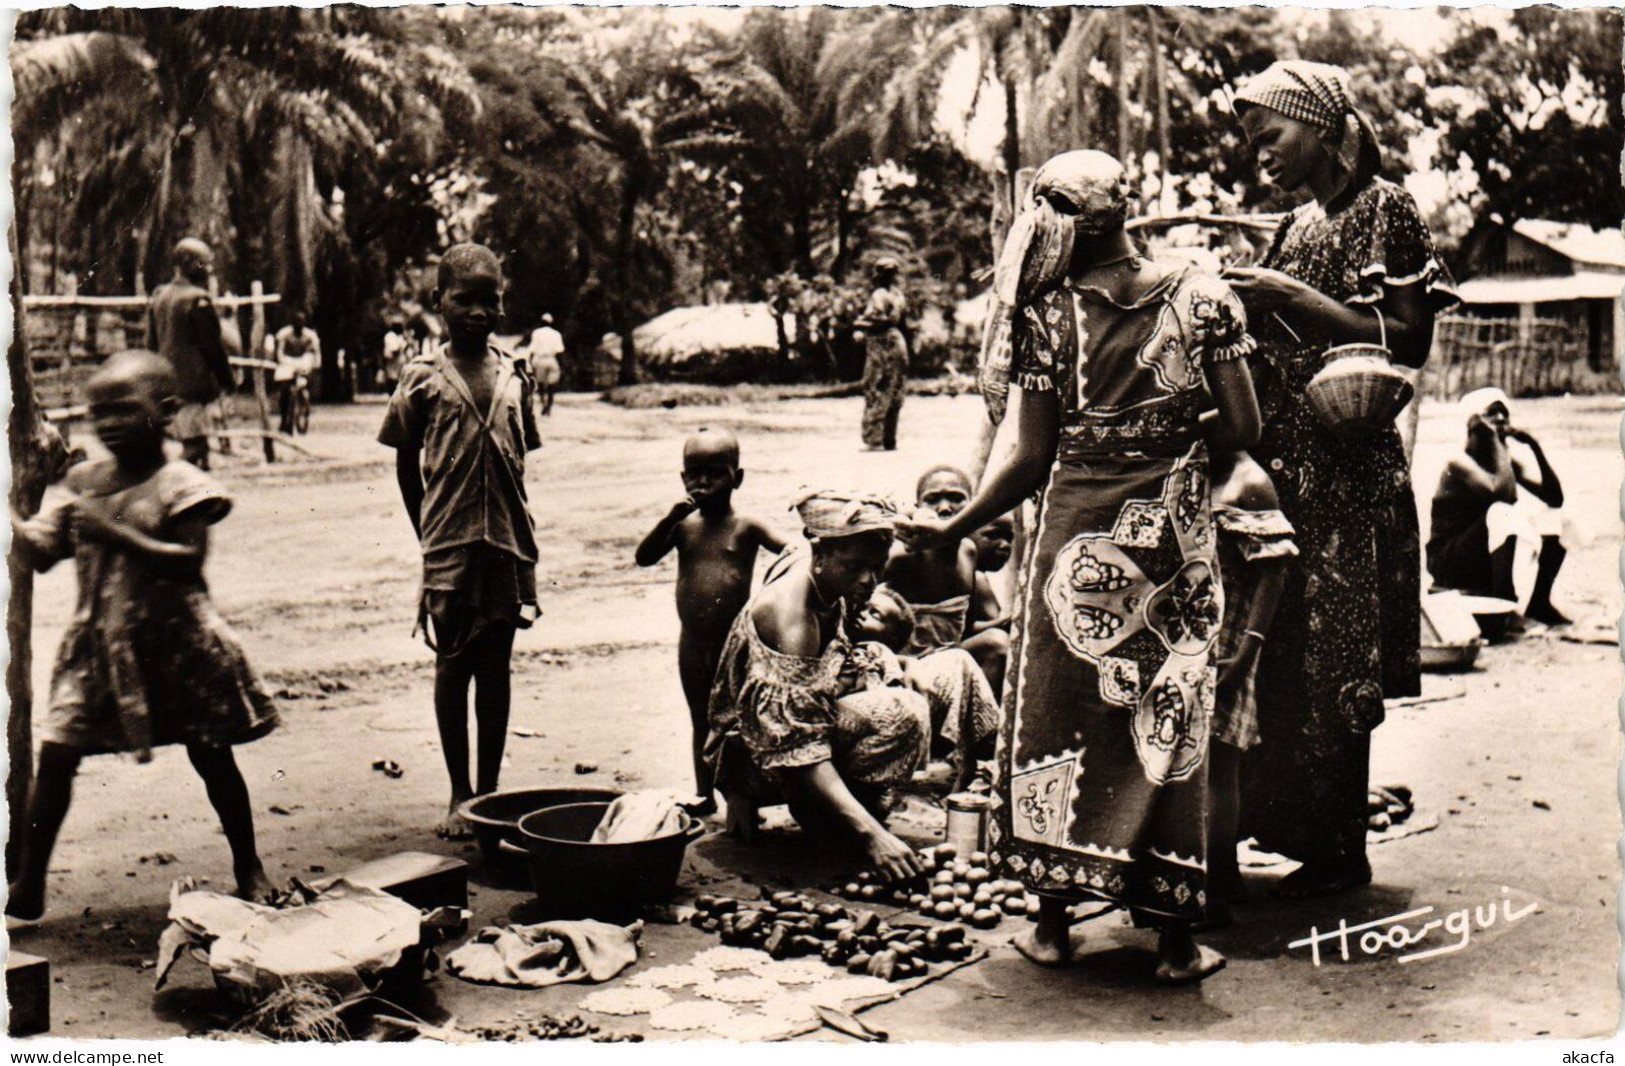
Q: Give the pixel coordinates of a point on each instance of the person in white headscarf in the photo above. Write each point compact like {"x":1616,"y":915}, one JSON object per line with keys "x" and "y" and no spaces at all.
{"x":545,"y":346}
{"x":1497,"y":530}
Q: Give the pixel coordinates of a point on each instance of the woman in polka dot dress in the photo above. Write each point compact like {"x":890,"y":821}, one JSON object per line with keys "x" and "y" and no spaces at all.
{"x":1348,"y":630}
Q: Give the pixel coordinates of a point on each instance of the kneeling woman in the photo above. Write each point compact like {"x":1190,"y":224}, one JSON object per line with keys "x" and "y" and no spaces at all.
{"x":1102,"y":787}
{"x":786,"y":721}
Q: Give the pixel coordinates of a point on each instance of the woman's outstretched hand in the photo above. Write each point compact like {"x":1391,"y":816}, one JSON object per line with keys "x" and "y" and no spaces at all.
{"x":923,"y":531}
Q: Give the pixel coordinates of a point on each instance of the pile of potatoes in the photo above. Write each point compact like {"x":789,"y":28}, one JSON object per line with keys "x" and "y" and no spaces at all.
{"x":789,"y":925}
{"x":952,"y":888}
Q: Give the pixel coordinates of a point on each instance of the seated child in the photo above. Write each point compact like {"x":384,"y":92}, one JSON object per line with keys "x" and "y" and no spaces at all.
{"x":716,"y":558}
{"x":937,"y":582}
{"x":1255,"y":547}
{"x":964,"y":711}
{"x":940,"y":582}
{"x":147,"y":660}
{"x":988,"y":638}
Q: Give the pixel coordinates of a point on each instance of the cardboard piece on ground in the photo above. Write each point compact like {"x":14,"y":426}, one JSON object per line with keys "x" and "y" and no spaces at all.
{"x":28,"y":994}
{"x":425,"y":881}
{"x":345,"y":940}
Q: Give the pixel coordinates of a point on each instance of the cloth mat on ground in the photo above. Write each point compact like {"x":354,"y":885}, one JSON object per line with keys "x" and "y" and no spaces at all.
{"x":1250,"y":856}
{"x":548,"y":953}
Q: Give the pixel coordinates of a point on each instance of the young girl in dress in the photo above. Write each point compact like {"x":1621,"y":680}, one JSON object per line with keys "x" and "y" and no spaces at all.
{"x":147,"y":660}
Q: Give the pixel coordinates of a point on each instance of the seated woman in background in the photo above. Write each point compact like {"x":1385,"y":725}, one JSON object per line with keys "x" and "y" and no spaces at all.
{"x":1489,"y":538}
{"x":787,"y":722}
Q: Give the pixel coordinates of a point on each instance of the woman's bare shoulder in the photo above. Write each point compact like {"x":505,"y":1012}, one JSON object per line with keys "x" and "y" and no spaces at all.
{"x":779,"y":615}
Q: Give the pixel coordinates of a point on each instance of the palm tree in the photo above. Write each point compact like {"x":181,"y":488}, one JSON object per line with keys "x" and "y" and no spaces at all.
{"x":616,"y":83}
{"x":790,"y":111}
{"x":224,"y":123}
{"x":1012,"y":47}
{"x":1068,"y":78}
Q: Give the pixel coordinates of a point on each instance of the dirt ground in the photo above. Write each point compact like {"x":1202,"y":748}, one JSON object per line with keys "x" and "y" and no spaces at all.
{"x":317,"y":568}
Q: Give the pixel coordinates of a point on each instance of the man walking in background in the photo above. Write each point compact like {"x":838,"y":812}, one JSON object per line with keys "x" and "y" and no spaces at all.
{"x":546,"y":345}
{"x":184,"y":328}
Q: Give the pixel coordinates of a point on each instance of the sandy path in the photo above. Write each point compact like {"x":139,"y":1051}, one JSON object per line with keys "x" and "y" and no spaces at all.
{"x":317,"y":570}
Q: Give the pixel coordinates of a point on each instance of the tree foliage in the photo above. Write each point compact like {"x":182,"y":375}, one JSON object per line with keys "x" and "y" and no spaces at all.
{"x":627,"y":161}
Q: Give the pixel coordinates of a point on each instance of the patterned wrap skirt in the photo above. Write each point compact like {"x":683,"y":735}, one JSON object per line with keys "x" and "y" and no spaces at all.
{"x":885,"y":380}
{"x":1102,"y":789}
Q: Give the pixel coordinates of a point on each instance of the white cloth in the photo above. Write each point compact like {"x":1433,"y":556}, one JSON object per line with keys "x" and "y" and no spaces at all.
{"x":1478,"y":401}
{"x":550,"y":953}
{"x":1528,"y":520}
{"x":639,"y":816}
{"x":545,"y":347}
{"x":546,"y":341}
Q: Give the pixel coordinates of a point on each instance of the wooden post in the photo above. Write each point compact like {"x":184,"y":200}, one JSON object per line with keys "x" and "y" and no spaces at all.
{"x":256,"y":349}
{"x":35,"y":448}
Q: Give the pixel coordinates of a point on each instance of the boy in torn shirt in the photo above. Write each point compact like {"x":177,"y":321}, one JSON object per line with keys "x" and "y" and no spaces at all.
{"x":461,"y":422}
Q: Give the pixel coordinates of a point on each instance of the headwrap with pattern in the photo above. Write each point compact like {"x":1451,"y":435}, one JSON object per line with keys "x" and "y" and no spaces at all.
{"x":1316,"y":94}
{"x":1082,"y":192}
{"x":830,"y":513}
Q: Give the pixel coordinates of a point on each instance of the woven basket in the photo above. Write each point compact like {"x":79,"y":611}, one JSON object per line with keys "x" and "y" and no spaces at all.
{"x":1359,"y":393}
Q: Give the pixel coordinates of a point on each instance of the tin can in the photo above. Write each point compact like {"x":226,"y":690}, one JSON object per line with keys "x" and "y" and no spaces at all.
{"x":967,"y":822}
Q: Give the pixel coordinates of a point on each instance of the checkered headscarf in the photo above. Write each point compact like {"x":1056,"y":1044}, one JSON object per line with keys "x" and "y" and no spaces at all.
{"x":1316,"y":93}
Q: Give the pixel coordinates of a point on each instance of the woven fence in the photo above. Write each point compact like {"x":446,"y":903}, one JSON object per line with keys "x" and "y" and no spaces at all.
{"x":1523,"y":357}
{"x":70,"y":335}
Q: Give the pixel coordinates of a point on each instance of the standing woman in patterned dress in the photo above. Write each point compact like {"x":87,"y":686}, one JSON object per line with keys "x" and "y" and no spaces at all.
{"x":1102,"y":759}
{"x":1347,"y":633}
{"x":885,"y":367}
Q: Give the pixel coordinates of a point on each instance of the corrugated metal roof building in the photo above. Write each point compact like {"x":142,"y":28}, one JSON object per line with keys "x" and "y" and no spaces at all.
{"x":1554,"y":271}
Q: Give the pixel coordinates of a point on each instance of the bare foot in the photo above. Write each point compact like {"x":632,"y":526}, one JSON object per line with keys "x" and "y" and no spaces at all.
{"x":255,"y":887}
{"x":744,"y":820}
{"x":702,"y":806}
{"x":1203,"y":963}
{"x":1049,"y":941}
{"x":454,"y":826}
{"x":1042,"y":950}
{"x":26,"y":904}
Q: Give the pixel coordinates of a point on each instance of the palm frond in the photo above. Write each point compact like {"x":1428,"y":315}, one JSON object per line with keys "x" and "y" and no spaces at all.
{"x":54,"y":76}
